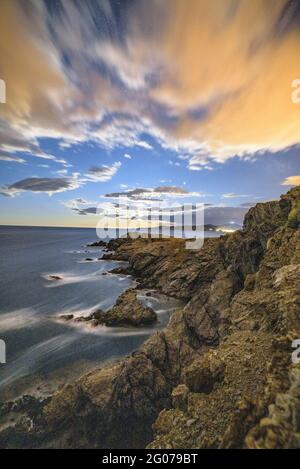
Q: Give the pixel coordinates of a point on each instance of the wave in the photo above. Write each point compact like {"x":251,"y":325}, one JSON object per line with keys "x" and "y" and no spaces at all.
{"x":90,"y":260}
{"x":64,"y":278}
{"x":18,"y":319}
{"x":33,"y":356}
{"x":84,"y":251}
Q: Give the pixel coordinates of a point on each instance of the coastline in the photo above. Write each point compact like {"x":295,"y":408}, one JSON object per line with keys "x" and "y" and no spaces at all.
{"x":210,"y":378}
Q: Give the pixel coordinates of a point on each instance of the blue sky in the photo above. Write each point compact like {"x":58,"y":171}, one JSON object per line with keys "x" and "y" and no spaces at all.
{"x":102,"y":98}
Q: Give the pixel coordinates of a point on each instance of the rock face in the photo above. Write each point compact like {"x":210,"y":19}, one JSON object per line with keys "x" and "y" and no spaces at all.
{"x":55,"y":277}
{"x":127,"y":311}
{"x":220,"y":375}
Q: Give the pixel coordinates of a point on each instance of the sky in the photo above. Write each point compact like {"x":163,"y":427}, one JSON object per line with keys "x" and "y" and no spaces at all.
{"x":160,"y":101}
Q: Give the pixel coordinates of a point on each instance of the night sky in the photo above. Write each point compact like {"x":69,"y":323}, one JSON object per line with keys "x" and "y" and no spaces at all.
{"x":186,"y":101}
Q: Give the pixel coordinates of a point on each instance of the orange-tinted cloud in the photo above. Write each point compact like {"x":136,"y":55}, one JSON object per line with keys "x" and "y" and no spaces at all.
{"x":236,"y":60}
{"x":291,"y":181}
{"x":207,"y":79}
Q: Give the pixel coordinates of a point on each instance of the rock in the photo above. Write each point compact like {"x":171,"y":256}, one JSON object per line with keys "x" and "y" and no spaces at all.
{"x":82,"y":319}
{"x":55,"y":277}
{"x":127,"y":311}
{"x":220,"y":375}
{"x":190,"y":422}
{"x":98,"y":315}
{"x":88,"y":259}
{"x":120,"y":271}
{"x":180,"y":397}
{"x":99,"y":243}
{"x":249,"y":283}
{"x":204,"y":372}
{"x":66,"y":317}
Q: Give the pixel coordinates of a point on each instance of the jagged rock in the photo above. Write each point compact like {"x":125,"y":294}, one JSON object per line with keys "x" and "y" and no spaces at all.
{"x":230,"y":343}
{"x":99,"y":243}
{"x":55,"y":277}
{"x":180,"y":397}
{"x":120,"y":271}
{"x":66,"y":317}
{"x":127,"y":311}
{"x":249,"y":283}
{"x":204,"y":372}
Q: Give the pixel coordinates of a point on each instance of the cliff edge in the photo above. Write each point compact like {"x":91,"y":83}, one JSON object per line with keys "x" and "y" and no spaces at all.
{"x":220,"y":375}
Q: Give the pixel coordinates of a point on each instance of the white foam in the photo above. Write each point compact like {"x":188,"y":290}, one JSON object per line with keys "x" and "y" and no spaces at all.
{"x":18,"y":319}
{"x":78,"y":310}
{"x":94,"y":259}
{"x":29,"y":358}
{"x":68,"y":278}
{"x":89,"y":250}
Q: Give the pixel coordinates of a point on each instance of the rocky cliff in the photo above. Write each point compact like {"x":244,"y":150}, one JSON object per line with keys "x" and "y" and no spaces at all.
{"x":220,"y":375}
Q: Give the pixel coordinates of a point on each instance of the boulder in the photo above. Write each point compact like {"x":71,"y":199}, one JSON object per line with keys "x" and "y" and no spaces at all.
{"x":66,"y":317}
{"x":127,"y":311}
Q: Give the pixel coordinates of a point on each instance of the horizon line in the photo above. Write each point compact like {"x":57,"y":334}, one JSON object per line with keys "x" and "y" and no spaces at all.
{"x":49,"y":226}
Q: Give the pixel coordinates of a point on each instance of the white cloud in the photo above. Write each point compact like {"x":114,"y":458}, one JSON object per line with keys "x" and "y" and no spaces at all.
{"x":48,"y":186}
{"x":62,"y":172}
{"x":232,"y":195}
{"x":148,"y":85}
{"x":102,"y":173}
{"x":157,"y":193}
{"x":12,"y":159}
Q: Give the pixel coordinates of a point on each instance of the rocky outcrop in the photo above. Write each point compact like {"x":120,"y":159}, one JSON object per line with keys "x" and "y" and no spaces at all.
{"x":127,"y":311}
{"x":220,"y":375}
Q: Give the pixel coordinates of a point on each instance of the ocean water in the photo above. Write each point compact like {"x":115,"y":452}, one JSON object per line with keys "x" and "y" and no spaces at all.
{"x":41,"y":350}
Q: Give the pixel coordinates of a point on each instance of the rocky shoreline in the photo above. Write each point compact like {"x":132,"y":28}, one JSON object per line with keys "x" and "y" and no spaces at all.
{"x":219,"y":376}
{"x":127,"y":312}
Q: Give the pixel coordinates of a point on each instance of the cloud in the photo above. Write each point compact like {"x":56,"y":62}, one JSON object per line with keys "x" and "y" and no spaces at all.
{"x":12,"y":140}
{"x":224,"y":215}
{"x":209,"y":81}
{"x":38,"y":185}
{"x":247,"y":50}
{"x":291,"y":181}
{"x":138,"y":211}
{"x":126,"y":155}
{"x":81,"y":201}
{"x":86,"y":211}
{"x":248,"y":204}
{"x":62,"y":172}
{"x":11,"y":158}
{"x":82,"y":206}
{"x":103,"y":173}
{"x":52,"y":185}
{"x":154,"y":194}
{"x":76,"y":204}
{"x":232,"y":195}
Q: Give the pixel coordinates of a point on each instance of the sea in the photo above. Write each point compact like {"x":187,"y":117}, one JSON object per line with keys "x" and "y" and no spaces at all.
{"x":42,"y":351}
